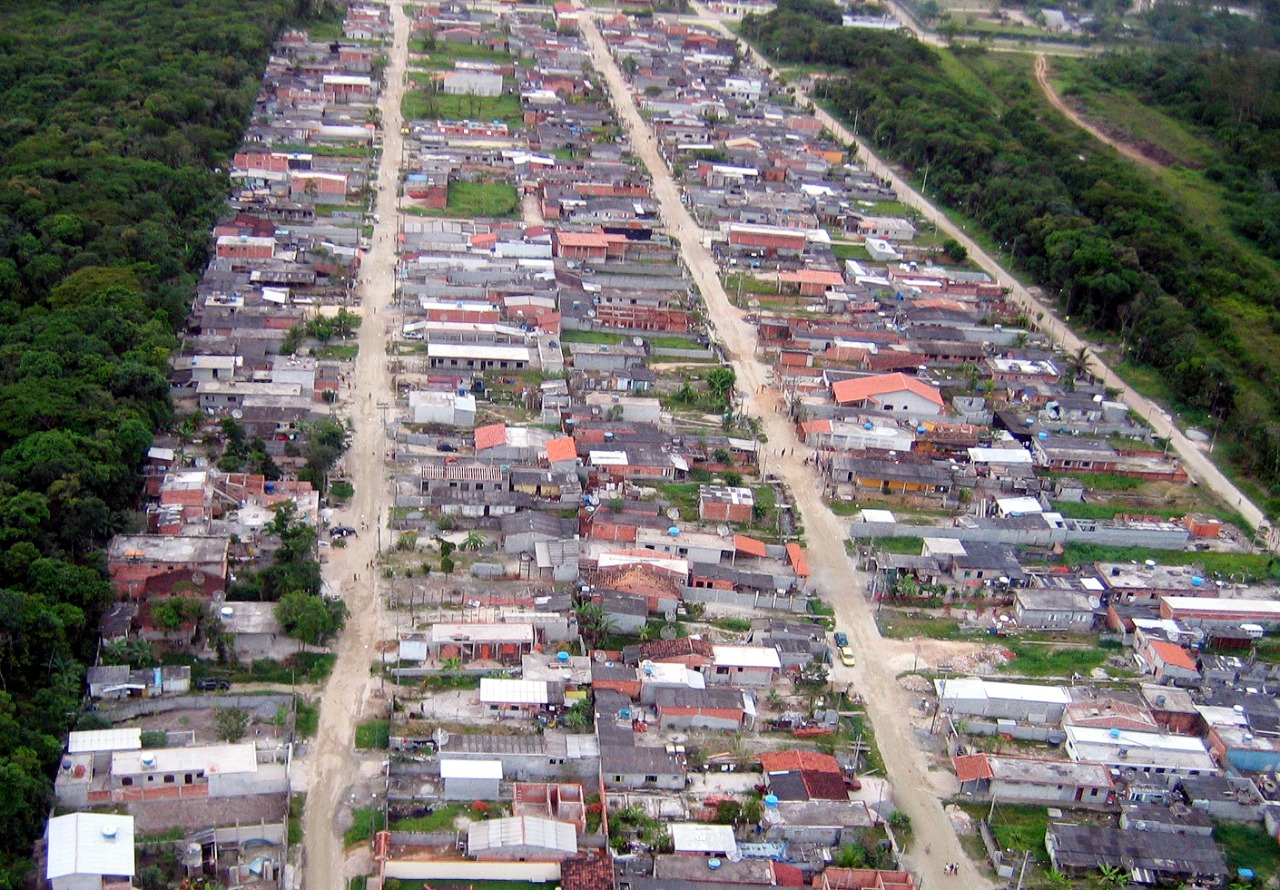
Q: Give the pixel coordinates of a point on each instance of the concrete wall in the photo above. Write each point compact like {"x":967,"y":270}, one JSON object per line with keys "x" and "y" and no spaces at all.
{"x":470,"y":789}
{"x":141,"y":707}
{"x":1028,"y":733}
{"x":779,"y":602}
{"x":454,"y":870}
{"x":1155,"y":539}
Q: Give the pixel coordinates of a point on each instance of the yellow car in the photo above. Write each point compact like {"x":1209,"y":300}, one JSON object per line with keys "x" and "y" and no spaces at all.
{"x":846,"y":656}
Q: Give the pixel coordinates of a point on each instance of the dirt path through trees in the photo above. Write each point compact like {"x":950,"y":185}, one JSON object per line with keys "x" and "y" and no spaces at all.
{"x":1127,"y":149}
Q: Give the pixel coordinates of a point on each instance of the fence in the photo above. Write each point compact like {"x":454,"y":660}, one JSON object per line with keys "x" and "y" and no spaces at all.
{"x":776,"y":601}
{"x":142,"y":707}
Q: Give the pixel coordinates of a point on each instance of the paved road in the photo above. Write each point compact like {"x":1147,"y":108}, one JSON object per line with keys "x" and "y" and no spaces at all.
{"x":833,"y":574}
{"x":333,"y":757}
{"x":1194,"y":459}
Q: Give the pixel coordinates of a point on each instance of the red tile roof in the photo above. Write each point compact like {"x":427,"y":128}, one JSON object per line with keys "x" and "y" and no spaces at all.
{"x":1172,"y":654}
{"x":561,"y":449}
{"x":970,"y":767}
{"x":582,"y":239}
{"x":491,"y":436}
{"x":581,"y":873}
{"x":858,"y":389}
{"x":750,"y":546}
{"x":811,"y":761}
{"x":795,"y":555}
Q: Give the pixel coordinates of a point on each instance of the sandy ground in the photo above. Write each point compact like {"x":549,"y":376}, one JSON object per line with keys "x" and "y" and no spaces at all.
{"x":1129,"y":151}
{"x":333,"y":762}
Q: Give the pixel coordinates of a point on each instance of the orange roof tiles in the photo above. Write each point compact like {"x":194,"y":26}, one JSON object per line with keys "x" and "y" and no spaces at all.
{"x":795,"y":555}
{"x":491,"y":436}
{"x":750,"y":546}
{"x":970,"y":767}
{"x":562,"y":449}
{"x":785,"y":761}
{"x":858,"y":389}
{"x":1172,"y":654}
{"x":583,"y":239}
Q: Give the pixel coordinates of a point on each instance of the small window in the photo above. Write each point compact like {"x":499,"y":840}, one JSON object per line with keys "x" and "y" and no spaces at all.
{"x":126,"y":781}
{"x":168,"y":780}
{"x":651,"y":778}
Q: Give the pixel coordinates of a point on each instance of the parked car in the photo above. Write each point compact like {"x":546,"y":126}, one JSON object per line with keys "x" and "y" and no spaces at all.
{"x":212,"y":684}
{"x":846,"y":656}
{"x":341,"y":531}
{"x":446,"y":446}
{"x":842,"y":639}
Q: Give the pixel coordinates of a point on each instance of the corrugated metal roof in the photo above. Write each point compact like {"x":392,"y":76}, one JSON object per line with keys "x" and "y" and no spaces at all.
{"x":118,"y":739}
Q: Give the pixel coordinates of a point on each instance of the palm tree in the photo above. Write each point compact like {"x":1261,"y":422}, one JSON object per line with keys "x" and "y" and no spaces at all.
{"x":592,"y":622}
{"x":1112,"y":877}
{"x":1078,"y":365}
{"x":473,"y":541}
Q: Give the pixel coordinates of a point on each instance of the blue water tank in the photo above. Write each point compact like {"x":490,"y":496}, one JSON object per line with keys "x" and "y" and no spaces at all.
{"x":1197,"y":581}
{"x":674,"y":531}
{"x":713,"y":864}
{"x":625,"y":713}
{"x":1115,"y":733}
{"x":771,"y":800}
{"x":562,"y":657}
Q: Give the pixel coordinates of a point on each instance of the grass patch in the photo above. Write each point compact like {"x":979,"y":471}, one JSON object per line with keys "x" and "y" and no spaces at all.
{"x":1074,"y":510}
{"x":365,"y":822}
{"x":374,"y":734}
{"x":1016,"y":827}
{"x":730,"y":623}
{"x":343,"y":352}
{"x":301,"y":667}
{"x":1243,"y":566}
{"x":898,"y":625}
{"x":306,"y":718}
{"x":1248,"y":846}
{"x":421,"y":105}
{"x":297,"y":803}
{"x":850,"y":252}
{"x":441,"y":819}
{"x":610,"y":339}
{"x":476,"y":199}
{"x":906,"y":546}
{"x":1044,"y":660}
{"x":1102,"y":481}
{"x":748,"y":283}
{"x":444,"y":54}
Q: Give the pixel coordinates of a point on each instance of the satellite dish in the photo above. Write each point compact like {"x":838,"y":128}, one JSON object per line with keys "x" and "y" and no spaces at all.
{"x":237,"y":413}
{"x":673,"y":512}
{"x":637,"y":341}
{"x":722,"y":530}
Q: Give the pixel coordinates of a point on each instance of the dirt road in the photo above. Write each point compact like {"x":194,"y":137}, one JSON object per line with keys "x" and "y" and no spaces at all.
{"x":1126,"y":149}
{"x":332,"y":757}
{"x":1197,"y":464}
{"x":833,"y":574}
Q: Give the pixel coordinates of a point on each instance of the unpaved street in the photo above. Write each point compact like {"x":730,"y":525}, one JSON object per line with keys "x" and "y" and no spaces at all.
{"x":833,"y":574}
{"x":332,"y":759}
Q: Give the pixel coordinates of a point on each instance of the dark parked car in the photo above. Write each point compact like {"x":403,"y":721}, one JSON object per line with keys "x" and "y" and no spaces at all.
{"x":842,"y":639}
{"x":341,"y":531}
{"x":446,"y":446}
{"x":212,"y":684}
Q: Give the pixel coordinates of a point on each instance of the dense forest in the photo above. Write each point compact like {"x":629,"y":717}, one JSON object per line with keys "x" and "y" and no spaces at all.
{"x":1078,"y":219}
{"x":116,"y":114}
{"x":1234,"y":104}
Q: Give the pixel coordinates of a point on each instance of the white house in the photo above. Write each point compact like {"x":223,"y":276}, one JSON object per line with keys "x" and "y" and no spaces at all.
{"x":472,"y":83}
{"x":450,"y":408}
{"x":88,"y":851}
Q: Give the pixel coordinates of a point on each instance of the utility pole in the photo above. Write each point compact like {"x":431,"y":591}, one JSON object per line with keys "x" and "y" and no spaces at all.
{"x":1022,"y":871}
